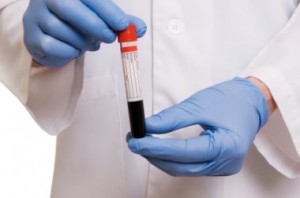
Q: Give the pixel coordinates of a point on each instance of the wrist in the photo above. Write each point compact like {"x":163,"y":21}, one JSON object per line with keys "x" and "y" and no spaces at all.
{"x":266,"y":92}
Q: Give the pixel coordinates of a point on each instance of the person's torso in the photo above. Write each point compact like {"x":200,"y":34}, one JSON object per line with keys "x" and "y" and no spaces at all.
{"x":189,"y":45}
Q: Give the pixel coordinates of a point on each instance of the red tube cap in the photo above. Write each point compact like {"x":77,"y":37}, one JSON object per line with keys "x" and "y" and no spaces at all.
{"x":128,"y":34}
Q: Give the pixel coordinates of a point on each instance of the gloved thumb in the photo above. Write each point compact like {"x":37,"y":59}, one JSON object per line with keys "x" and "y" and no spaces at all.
{"x":178,"y":116}
{"x":140,"y":25}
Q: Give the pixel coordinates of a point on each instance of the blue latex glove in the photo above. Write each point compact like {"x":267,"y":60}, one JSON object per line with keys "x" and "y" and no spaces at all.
{"x":58,"y":31}
{"x":231,"y":114}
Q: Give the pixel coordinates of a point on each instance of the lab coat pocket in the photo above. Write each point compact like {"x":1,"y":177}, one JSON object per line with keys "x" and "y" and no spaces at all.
{"x":100,"y":86}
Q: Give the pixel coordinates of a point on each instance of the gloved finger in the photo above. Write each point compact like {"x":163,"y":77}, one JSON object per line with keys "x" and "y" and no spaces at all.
{"x":65,"y":33}
{"x":180,"y":169}
{"x":45,"y":47}
{"x":83,"y":19}
{"x":128,"y":137}
{"x":109,"y":12}
{"x":178,"y":116}
{"x":198,"y":149}
{"x":140,"y":25}
{"x":118,"y":21}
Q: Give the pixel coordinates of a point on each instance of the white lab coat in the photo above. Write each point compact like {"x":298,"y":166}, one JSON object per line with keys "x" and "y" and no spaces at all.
{"x":190,"y":45}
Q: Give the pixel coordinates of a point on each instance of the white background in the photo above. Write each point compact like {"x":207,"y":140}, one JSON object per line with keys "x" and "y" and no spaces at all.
{"x":26,"y":152}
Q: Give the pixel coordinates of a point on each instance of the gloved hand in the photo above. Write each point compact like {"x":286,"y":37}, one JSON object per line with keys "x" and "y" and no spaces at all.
{"x":231,"y":114}
{"x":58,"y":31}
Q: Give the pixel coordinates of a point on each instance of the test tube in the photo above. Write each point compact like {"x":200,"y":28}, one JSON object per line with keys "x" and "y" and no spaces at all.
{"x":128,"y":45}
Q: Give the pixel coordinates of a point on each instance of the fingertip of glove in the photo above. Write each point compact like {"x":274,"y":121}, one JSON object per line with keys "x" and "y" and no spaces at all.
{"x":132,"y":145}
{"x":131,"y":142}
{"x":140,"y":25}
{"x":128,"y":136}
{"x":142,"y":31}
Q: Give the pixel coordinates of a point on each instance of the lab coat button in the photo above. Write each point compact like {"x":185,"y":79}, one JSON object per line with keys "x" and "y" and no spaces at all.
{"x":175,"y":26}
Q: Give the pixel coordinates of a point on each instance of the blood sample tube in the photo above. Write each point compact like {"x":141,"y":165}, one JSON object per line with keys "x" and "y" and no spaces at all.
{"x":128,"y":45}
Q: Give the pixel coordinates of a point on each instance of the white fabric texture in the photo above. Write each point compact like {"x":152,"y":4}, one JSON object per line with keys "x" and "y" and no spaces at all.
{"x":14,"y":72}
{"x":51,"y":106}
{"x":187,"y":48}
{"x":277,"y":66}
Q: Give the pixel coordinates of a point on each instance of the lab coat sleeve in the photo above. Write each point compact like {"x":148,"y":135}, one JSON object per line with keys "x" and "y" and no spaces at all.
{"x":278,"y":66}
{"x":50,"y":95}
{"x":14,"y":57}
